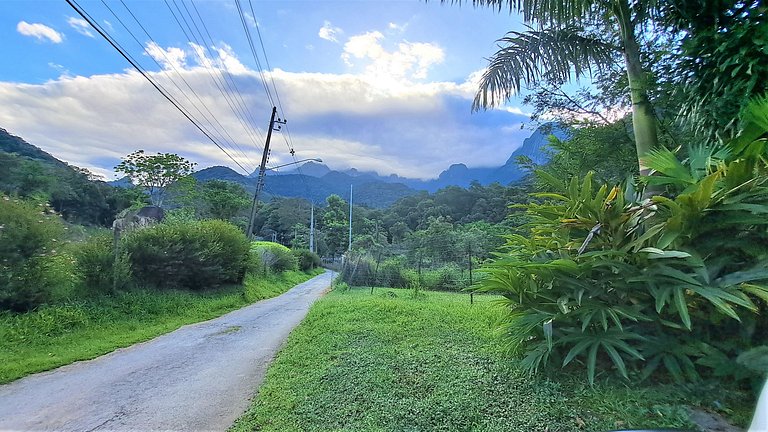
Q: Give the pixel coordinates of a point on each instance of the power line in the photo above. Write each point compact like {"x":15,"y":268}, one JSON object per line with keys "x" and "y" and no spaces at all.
{"x":232,"y":81}
{"x":231,"y":142}
{"x":289,"y":139}
{"x":80,"y":11}
{"x":253,"y":51}
{"x":221,"y":83}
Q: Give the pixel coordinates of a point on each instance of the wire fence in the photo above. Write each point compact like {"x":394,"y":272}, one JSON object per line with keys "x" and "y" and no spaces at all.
{"x":452,"y":269}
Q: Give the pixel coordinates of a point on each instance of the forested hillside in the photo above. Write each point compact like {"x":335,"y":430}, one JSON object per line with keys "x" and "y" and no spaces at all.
{"x":27,"y":171}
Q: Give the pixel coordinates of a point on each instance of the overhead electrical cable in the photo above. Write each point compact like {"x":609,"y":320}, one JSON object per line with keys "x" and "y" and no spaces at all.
{"x":230,"y":141}
{"x":244,"y":107}
{"x":260,"y":69}
{"x":116,"y":45}
{"x":206,"y":63}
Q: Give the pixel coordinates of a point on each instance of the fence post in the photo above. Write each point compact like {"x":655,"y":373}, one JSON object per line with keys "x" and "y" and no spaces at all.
{"x":471,"y":294}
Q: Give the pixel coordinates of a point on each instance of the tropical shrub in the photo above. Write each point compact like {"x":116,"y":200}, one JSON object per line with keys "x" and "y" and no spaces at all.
{"x":33,"y":270}
{"x":192,"y":255}
{"x":390,"y":273}
{"x":448,"y":277}
{"x":98,"y":268}
{"x":609,"y":278}
{"x":274,"y":256}
{"x":306,"y":259}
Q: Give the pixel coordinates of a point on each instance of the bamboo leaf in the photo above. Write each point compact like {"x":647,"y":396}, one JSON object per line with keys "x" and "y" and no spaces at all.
{"x":616,"y":358}
{"x":682,"y":307}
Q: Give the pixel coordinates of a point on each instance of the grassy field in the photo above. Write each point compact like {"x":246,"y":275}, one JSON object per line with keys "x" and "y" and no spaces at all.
{"x":53,"y":336}
{"x":392,"y":362}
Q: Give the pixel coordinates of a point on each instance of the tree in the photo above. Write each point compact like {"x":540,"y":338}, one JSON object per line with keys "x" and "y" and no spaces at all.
{"x":571,"y":38}
{"x":335,"y":224}
{"x":720,"y":63}
{"x":155,"y":173}
{"x":224,"y":199}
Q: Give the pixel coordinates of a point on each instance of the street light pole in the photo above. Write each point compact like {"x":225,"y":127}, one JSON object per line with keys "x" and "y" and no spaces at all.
{"x":350,"y":218}
{"x":312,"y":228}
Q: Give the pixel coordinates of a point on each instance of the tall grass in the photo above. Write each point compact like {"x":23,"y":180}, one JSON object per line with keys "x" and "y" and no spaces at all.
{"x":393,"y":361}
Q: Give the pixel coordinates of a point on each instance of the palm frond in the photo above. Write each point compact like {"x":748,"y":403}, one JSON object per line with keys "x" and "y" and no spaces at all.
{"x":549,"y":11}
{"x":528,"y":57}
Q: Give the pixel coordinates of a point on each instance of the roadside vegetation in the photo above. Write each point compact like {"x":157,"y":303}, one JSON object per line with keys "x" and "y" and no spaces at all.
{"x":59,"y":334}
{"x":397,"y":360}
{"x":70,"y":292}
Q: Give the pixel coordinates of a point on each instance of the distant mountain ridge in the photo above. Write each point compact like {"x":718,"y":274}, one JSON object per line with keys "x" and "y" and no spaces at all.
{"x":317,"y":181}
{"x":534,"y":147}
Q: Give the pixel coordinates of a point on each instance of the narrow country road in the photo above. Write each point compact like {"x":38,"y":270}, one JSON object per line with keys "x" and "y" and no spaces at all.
{"x":199,"y":377}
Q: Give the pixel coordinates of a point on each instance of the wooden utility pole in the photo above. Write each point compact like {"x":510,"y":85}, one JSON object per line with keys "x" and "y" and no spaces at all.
{"x":263,"y":169}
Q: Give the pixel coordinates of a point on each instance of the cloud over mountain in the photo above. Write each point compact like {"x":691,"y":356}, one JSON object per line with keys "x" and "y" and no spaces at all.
{"x":388,"y":117}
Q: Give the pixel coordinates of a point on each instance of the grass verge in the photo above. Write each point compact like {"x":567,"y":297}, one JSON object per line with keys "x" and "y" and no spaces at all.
{"x":57,"y":335}
{"x":392,"y":362}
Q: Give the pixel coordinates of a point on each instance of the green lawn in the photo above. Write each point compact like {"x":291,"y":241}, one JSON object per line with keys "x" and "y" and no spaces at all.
{"x":56,"y":335}
{"x":391,"y":362}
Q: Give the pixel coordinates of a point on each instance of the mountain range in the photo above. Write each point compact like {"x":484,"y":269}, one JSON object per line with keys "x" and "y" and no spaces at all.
{"x":456,"y":175}
{"x":316,"y":181}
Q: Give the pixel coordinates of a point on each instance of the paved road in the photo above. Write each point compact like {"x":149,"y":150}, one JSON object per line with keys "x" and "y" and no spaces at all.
{"x":199,"y":377}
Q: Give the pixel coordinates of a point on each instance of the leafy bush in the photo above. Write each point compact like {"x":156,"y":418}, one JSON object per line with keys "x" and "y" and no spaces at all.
{"x":274,"y":256}
{"x":606,"y":277}
{"x":390,"y":274}
{"x":306,"y":259}
{"x":32,"y":271}
{"x":190,"y":255}
{"x":448,"y":277}
{"x":98,"y":268}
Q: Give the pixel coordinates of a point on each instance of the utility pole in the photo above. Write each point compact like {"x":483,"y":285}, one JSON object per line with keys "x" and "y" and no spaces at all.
{"x":312,"y":228}
{"x":350,"y":218}
{"x":263,"y":169}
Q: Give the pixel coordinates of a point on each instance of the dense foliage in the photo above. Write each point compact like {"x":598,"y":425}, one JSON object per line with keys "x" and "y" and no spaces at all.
{"x":676,"y":281}
{"x":193,"y":255}
{"x":31,"y":263}
{"x":71,"y":192}
{"x":273,"y":256}
{"x":306,"y":259}
{"x":154,"y":173}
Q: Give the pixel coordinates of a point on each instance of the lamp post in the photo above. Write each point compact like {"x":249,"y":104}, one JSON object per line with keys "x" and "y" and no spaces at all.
{"x":249,"y":232}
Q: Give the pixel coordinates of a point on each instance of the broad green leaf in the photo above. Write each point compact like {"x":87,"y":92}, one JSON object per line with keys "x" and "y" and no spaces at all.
{"x":655,"y":253}
{"x":576,"y":350}
{"x":682,"y":307}
{"x":758,"y":290}
{"x":592,"y":362}
{"x":754,"y":274}
{"x":616,"y":358}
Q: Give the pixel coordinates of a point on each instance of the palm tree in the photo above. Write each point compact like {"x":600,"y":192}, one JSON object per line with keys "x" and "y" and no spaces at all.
{"x":559,"y":49}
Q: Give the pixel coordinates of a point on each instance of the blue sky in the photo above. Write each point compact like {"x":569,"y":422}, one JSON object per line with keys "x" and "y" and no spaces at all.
{"x":376,"y":85}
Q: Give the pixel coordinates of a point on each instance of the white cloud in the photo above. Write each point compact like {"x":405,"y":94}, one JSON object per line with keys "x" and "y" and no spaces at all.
{"x":400,"y":28}
{"x":408,"y":61}
{"x":61,"y":69}
{"x":171,"y":58}
{"x":250,"y":20}
{"x":329,"y":32}
{"x":39,"y":31}
{"x":414,"y":129}
{"x":80,"y":25}
{"x":108,"y":25}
